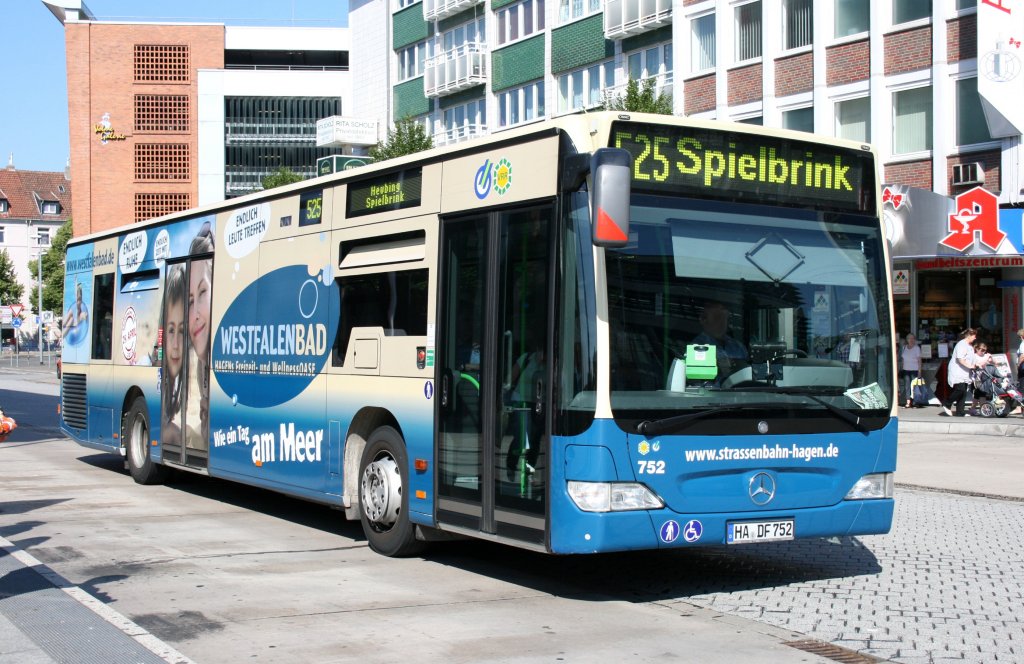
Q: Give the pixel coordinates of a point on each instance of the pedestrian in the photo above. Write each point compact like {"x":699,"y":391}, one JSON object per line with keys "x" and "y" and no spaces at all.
{"x":1020,"y":357}
{"x":979,"y":377}
{"x":958,"y":376}
{"x":910,"y":359}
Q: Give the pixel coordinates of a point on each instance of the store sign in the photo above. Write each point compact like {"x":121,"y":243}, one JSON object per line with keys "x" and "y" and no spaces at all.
{"x":901,"y":282}
{"x":962,"y":262}
{"x":929,"y":225}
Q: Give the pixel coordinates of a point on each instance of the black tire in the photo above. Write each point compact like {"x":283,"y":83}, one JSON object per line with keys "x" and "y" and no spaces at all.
{"x":383,"y":495}
{"x":1005,"y":407}
{"x":135,"y":438}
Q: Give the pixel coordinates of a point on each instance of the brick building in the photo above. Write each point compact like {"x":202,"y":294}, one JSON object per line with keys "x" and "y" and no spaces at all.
{"x":167,"y":116}
{"x":33,"y":205}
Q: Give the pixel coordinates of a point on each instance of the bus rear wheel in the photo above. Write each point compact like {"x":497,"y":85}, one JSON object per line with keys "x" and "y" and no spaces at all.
{"x":135,"y":437}
{"x":383,"y":495}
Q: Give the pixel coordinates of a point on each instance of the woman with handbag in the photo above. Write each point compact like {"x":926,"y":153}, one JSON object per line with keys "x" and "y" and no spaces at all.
{"x":910,"y":360}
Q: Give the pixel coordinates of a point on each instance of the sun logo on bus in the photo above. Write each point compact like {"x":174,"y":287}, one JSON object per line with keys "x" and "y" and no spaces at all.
{"x":502,"y":176}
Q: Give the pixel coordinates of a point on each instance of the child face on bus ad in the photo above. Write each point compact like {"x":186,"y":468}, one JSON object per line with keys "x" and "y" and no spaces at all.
{"x":199,"y":308}
{"x":174,"y":331}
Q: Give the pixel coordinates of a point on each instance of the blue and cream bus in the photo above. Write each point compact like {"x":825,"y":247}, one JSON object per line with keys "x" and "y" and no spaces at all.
{"x":602,"y":332}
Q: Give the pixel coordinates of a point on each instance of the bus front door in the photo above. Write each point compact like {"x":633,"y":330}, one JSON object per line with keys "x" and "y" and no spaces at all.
{"x":492,"y":339}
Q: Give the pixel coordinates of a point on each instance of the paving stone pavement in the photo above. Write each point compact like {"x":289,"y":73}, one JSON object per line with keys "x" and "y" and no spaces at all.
{"x":944,"y":586}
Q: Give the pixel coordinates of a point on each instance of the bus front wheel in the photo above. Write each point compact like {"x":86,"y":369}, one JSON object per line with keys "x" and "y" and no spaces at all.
{"x":383,"y":495}
{"x":135,"y":437}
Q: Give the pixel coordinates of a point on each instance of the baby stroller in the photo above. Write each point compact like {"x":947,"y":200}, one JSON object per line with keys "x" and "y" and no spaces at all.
{"x":1000,"y":394}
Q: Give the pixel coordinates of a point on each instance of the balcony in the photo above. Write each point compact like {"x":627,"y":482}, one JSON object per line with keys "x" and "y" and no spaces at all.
{"x":662,"y":85}
{"x":624,"y":18}
{"x":435,"y":10}
{"x":460,"y":68}
{"x":459,"y":134}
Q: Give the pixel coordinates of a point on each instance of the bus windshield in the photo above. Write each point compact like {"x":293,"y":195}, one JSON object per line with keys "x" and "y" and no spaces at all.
{"x":717,"y":304}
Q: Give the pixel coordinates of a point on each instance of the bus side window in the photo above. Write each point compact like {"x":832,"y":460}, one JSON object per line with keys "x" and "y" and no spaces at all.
{"x":395,"y":301}
{"x":103,"y":317}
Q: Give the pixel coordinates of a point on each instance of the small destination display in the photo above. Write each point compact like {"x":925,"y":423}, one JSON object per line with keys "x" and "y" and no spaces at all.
{"x":311,"y":207}
{"x":749,"y":168}
{"x":393,"y":191}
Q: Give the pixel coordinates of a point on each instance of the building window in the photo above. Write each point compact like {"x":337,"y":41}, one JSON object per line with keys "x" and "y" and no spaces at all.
{"x":518,"y":21}
{"x":463,"y":121}
{"x":797,"y":23}
{"x":703,"y":42}
{"x":912,"y":120}
{"x":2,"y":235}
{"x":584,"y":88}
{"x":752,"y":120}
{"x":904,"y":11}
{"x":970,"y":118}
{"x":748,"y":31}
{"x":653,"y":61}
{"x":411,"y":60}
{"x":161,"y":162}
{"x":852,"y":17}
{"x":160,"y":63}
{"x":4,"y":205}
{"x":402,"y":4}
{"x":148,"y":206}
{"x":161,"y":113}
{"x":468,"y":33}
{"x":521,"y":104}
{"x":51,"y":207}
{"x":570,"y":10}
{"x":43,"y":237}
{"x":966,"y":4}
{"x":799,"y":119}
{"x":853,"y":119}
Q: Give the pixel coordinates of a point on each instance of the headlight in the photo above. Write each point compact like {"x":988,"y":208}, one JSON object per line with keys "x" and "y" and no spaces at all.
{"x":875,"y":485}
{"x":613,"y":496}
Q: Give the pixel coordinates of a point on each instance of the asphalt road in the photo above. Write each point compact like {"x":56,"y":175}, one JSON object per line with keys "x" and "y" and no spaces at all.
{"x":225,"y":573}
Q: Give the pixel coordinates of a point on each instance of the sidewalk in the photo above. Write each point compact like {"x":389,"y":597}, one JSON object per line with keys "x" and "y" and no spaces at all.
{"x":931,"y":420}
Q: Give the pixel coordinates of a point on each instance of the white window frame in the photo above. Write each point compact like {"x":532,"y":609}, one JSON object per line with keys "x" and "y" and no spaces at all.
{"x":402,"y":4}
{"x":835,"y":19}
{"x":574,"y":10}
{"x":3,"y":234}
{"x":913,"y":154}
{"x":565,"y":86}
{"x":527,"y":99}
{"x":791,"y":109}
{"x":838,"y":116}
{"x":786,"y":26}
{"x":474,"y":113}
{"x":506,"y":16}
{"x":696,"y":54}
{"x":50,"y":207}
{"x":43,"y":238}
{"x":414,"y":56}
{"x":4,"y":205}
{"x":479,"y":36}
{"x":737,"y":8}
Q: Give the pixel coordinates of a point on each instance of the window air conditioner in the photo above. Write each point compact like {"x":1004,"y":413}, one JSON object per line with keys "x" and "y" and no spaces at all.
{"x":971,"y":173}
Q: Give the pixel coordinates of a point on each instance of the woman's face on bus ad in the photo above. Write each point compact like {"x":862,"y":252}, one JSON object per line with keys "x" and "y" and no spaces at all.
{"x":174,"y":331}
{"x":199,"y":308}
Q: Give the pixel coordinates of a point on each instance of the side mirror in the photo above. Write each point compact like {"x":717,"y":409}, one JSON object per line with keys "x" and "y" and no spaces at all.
{"x":611,"y":170}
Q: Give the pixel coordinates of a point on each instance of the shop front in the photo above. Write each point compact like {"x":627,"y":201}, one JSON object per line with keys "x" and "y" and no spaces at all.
{"x":957,"y":263}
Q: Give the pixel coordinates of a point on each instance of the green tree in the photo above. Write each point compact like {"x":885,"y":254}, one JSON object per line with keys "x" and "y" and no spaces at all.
{"x":641,"y":97}
{"x":280,"y":177}
{"x":53,"y":272}
{"x":407,"y":137}
{"x":10,"y":289}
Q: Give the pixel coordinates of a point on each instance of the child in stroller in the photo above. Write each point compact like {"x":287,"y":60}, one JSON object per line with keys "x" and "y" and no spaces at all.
{"x":996,"y":392}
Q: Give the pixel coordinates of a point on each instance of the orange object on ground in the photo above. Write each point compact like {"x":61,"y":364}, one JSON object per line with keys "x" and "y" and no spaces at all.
{"x":7,"y":425}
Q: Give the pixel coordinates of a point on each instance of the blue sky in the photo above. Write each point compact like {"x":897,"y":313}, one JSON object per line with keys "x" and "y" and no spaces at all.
{"x":34,"y":104}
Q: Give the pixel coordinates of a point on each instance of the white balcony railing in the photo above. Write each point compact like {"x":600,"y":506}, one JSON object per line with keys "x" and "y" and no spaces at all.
{"x":662,"y":85}
{"x":623,"y":18}
{"x":459,"y":134}
{"x":462,"y":67}
{"x":434,"y":10}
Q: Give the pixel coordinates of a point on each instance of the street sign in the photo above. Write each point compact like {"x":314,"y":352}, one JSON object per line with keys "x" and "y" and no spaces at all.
{"x":16,"y":308}
{"x":47,"y":317}
{"x":5,"y":315}
{"x":16,"y":323}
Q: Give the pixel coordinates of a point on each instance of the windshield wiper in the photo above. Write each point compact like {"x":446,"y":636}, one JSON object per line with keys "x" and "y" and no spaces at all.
{"x":812,"y":394}
{"x":658,"y":427}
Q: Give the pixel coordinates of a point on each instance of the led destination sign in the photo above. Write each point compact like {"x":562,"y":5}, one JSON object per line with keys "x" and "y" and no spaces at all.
{"x":393,"y":191}
{"x":748,"y":168}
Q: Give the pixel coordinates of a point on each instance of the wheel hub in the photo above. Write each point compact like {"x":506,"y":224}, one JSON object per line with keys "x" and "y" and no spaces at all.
{"x":137,"y":442}
{"x":381,"y":488}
